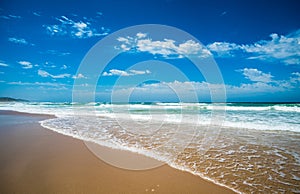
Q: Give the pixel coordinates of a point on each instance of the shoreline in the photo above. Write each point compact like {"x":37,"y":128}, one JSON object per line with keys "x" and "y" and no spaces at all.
{"x":68,"y":166}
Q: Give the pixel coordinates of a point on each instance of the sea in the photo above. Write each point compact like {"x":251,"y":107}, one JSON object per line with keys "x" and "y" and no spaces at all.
{"x":247,"y":147}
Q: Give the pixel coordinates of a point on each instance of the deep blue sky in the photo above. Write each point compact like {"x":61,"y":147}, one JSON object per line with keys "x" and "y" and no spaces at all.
{"x":256,"y":45}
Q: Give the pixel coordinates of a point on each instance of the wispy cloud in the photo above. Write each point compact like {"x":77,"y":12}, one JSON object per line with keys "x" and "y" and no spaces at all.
{"x":167,"y":48}
{"x":19,"y":41}
{"x":49,"y":64}
{"x":25,"y":64}
{"x":64,"y":67}
{"x":189,"y":91}
{"x":43,"y":73}
{"x":55,"y":52}
{"x":36,"y":13}
{"x":79,"y":76}
{"x":116,"y":72}
{"x":223,"y":13}
{"x":99,"y":13}
{"x":51,"y":84}
{"x":42,"y":86}
{"x":2,"y":64}
{"x":10,"y":16}
{"x":74,"y":28}
{"x":262,"y":84}
{"x":285,"y":49}
{"x":223,"y":49}
{"x":256,"y":75}
{"x":295,"y":78}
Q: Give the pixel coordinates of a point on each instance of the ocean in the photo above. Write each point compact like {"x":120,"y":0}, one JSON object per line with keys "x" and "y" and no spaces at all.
{"x":247,"y":147}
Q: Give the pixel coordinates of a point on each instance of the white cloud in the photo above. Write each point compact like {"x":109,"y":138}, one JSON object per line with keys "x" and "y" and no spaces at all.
{"x":36,"y":13}
{"x":138,"y":72}
{"x":8,"y":17}
{"x":223,"y":48}
{"x":74,"y":29}
{"x":43,"y":73}
{"x":19,"y":41}
{"x":189,"y":91}
{"x":126,"y":40}
{"x":256,"y":75}
{"x":141,"y":35}
{"x":295,"y":78}
{"x":223,"y":13}
{"x":116,"y":72}
{"x":25,"y":64}
{"x":51,"y":84}
{"x":64,"y":67}
{"x":285,"y":49}
{"x":56,"y":52}
{"x":167,"y":47}
{"x":256,"y":88}
{"x":3,"y":64}
{"x":296,"y":74}
{"x":99,"y":13}
{"x":4,"y":17}
{"x":14,"y":16}
{"x":263,"y":84}
{"x":79,"y":76}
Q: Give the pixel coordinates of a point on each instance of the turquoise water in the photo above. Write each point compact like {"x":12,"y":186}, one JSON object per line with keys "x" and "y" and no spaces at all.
{"x":259,"y":116}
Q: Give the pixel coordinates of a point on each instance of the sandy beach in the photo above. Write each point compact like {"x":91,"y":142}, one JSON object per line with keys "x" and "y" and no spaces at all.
{"x":37,"y":160}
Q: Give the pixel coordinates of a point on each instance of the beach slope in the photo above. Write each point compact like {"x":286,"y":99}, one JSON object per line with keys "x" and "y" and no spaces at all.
{"x":37,"y":160}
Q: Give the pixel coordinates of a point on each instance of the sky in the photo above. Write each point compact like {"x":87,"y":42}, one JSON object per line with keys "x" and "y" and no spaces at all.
{"x":248,"y":51}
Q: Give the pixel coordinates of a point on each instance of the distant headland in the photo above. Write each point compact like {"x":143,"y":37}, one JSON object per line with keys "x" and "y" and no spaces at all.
{"x":8,"y":99}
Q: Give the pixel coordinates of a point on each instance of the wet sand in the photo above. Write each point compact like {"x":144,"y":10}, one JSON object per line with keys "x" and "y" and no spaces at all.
{"x":37,"y":160}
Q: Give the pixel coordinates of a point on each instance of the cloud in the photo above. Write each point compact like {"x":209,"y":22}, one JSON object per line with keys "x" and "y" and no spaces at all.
{"x":79,"y":76}
{"x":223,"y":13}
{"x":19,"y":41}
{"x":36,"y":14}
{"x":190,"y":91}
{"x":141,"y":35}
{"x":3,"y":64}
{"x":56,"y":52}
{"x":138,"y":72}
{"x":75,"y":29}
{"x":285,"y":49}
{"x":25,"y":64}
{"x":282,"y":48}
{"x":49,"y":64}
{"x":51,"y":84}
{"x":43,"y":86}
{"x":223,"y":48}
{"x":43,"y":73}
{"x":256,"y":75}
{"x":167,"y":48}
{"x":295,"y":78}
{"x":64,"y":67}
{"x":10,"y":16}
{"x":116,"y":72}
